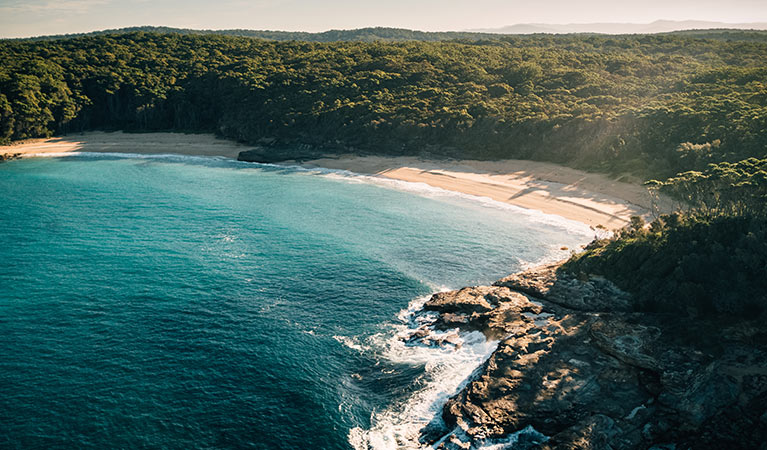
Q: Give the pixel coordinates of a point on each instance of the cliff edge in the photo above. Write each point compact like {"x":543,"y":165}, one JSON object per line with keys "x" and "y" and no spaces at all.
{"x":576,"y":368}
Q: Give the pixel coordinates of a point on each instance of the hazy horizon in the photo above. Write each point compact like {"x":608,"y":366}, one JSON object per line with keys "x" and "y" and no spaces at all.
{"x":19,"y":18}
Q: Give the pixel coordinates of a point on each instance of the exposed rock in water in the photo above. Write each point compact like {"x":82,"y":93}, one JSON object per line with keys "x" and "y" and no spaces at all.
{"x":574,"y":364}
{"x":9,"y":156}
{"x":276,"y":154}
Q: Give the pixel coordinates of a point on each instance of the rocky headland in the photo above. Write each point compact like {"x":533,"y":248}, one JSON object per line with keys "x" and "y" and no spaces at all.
{"x":578,"y":367}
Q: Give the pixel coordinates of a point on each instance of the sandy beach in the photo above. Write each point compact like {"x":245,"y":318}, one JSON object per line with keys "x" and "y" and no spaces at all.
{"x":119,"y":142}
{"x":593,"y":199}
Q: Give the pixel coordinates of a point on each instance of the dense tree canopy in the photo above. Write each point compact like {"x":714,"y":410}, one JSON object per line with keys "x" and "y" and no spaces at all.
{"x":710,"y":258}
{"x":646,"y":105}
{"x":724,"y":189}
{"x":687,"y":264}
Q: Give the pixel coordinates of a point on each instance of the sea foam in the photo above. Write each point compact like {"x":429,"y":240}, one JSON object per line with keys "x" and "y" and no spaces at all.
{"x":447,"y":370}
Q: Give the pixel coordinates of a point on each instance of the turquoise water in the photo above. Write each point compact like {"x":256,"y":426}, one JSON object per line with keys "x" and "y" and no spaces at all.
{"x":176,"y":302}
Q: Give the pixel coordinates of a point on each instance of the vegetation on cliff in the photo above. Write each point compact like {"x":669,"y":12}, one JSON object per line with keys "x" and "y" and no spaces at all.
{"x":647,"y":105}
{"x":710,"y":258}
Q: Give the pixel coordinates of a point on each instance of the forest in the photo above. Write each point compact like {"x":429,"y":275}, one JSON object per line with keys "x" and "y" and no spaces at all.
{"x":645,"y":106}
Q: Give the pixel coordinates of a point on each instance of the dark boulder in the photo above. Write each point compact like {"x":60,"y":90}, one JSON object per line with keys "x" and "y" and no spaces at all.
{"x":276,"y":154}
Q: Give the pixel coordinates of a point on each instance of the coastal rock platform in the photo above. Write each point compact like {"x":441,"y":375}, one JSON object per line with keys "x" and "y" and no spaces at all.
{"x":579,"y":368}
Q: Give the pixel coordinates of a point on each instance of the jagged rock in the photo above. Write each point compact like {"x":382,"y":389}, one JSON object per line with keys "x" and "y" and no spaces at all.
{"x":597,"y":432}
{"x":426,"y":336}
{"x":626,"y":342}
{"x":593,"y":294}
{"x":481,"y":308}
{"x":592,"y":379}
{"x":546,"y":378}
{"x":465,"y":301}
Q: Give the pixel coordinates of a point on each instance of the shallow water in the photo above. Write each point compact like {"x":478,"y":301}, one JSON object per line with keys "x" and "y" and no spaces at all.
{"x":178,"y":302}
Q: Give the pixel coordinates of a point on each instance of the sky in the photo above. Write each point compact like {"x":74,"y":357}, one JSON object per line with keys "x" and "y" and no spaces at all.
{"x":23,"y":18}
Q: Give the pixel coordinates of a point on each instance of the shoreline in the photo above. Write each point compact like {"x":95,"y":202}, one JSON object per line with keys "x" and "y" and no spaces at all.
{"x":589,"y":198}
{"x":120,"y":142}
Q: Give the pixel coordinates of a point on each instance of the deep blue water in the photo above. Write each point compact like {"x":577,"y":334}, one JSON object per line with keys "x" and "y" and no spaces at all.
{"x":171,"y":302}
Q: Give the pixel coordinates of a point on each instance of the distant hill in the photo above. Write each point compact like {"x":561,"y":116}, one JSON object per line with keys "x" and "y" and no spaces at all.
{"x":659,"y":26}
{"x":724,"y":34}
{"x":358,"y":35}
{"x":382,"y":34}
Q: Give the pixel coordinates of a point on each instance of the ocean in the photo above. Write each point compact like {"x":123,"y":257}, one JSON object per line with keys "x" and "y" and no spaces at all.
{"x":161,"y":301}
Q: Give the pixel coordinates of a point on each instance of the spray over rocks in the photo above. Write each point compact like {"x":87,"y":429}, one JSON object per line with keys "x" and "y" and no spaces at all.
{"x":574,"y":367}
